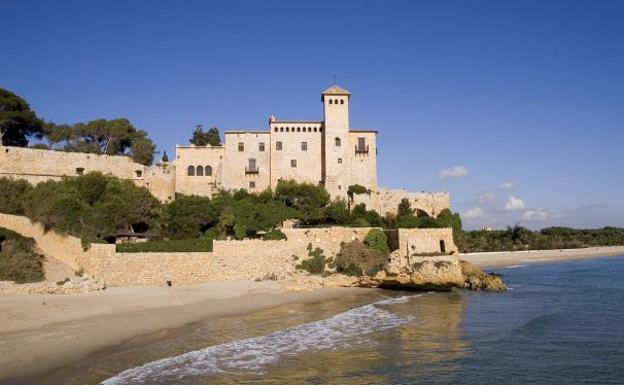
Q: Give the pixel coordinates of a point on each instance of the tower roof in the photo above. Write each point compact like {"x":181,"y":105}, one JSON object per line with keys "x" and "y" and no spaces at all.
{"x":335,"y":90}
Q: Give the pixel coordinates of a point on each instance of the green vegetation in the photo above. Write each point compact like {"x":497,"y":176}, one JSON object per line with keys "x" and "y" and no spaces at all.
{"x":18,"y":261}
{"x":377,"y":240}
{"x":274,"y":235}
{"x":316,"y":263}
{"x":520,"y":238}
{"x":18,"y":123}
{"x":355,"y":258}
{"x":356,"y":189}
{"x":204,"y":138}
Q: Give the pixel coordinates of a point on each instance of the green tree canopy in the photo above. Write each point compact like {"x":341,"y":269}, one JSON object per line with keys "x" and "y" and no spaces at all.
{"x":18,"y":123}
{"x":204,"y":138}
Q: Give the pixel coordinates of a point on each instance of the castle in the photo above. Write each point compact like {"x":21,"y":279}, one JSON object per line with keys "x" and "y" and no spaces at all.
{"x":327,"y":152}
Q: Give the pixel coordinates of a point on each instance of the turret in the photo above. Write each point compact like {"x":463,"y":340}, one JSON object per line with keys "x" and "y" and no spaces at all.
{"x":336,"y":109}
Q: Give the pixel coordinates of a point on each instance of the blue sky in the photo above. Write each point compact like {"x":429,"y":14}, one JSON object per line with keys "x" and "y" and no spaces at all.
{"x":522,"y":103}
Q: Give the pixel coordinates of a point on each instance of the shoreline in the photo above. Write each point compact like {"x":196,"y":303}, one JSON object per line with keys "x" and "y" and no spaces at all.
{"x":50,"y":331}
{"x":495,"y":259}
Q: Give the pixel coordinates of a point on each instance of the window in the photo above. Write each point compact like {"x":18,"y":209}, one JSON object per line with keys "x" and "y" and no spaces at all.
{"x":339,"y":160}
{"x":261,"y":146}
{"x":320,"y":129}
{"x":190,"y":171}
{"x":339,"y":187}
{"x":293,"y":163}
{"x":199,"y":171}
{"x":331,"y":101}
{"x":275,"y":129}
{"x":278,"y":146}
{"x":341,"y":101}
{"x":314,"y":129}
{"x":298,"y":129}
{"x":281,"y":129}
{"x":304,"y":146}
{"x":241,"y":146}
{"x":79,"y":170}
{"x":338,"y":142}
{"x":361,"y":143}
{"x":287,"y":129}
{"x":252,"y":163}
{"x":208,"y":170}
{"x":138,"y":173}
{"x":252,"y":184}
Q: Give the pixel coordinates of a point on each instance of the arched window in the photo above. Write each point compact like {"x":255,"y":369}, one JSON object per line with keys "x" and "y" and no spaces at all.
{"x":331,"y":101}
{"x":338,"y":143}
{"x":208,"y":170}
{"x":287,"y":129}
{"x":341,"y":101}
{"x":200,"y":171}
{"x":281,"y":129}
{"x":314,"y":129}
{"x":298,"y":129}
{"x":190,"y":171}
{"x":275,"y":129}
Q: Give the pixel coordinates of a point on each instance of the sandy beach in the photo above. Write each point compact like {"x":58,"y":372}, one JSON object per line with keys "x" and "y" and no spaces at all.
{"x":41,"y":332}
{"x":511,"y":258}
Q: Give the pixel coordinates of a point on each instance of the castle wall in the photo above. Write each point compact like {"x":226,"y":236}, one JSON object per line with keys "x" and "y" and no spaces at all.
{"x":237,"y":173}
{"x":363,"y":164}
{"x":195,"y":156}
{"x":432,"y":203}
{"x":426,"y":241}
{"x":309,"y":162}
{"x":37,"y":166}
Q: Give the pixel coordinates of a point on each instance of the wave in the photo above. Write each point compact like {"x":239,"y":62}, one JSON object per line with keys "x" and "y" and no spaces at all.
{"x":253,"y":355}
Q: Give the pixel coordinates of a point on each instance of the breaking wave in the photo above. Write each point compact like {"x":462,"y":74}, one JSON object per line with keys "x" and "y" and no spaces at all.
{"x":253,"y":355}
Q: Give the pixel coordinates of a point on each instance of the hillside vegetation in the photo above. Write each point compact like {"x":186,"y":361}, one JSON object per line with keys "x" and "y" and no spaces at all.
{"x":18,"y":260}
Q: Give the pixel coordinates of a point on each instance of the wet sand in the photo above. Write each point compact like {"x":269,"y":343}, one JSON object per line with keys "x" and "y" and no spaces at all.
{"x":42,"y":332}
{"x":512,"y":258}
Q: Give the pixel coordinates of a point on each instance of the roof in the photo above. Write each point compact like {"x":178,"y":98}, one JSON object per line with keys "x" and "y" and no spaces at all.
{"x":335,"y":90}
{"x":297,"y":121}
{"x":369,"y":131}
{"x":246,"y":132}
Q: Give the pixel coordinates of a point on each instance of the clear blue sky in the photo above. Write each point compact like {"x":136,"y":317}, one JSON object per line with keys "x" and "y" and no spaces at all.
{"x":527,"y":96}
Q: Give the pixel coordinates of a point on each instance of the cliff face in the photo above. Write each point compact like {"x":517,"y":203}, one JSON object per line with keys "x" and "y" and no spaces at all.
{"x":443,"y":272}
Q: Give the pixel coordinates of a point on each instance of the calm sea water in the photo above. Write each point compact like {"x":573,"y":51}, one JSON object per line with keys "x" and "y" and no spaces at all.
{"x":558,"y":324}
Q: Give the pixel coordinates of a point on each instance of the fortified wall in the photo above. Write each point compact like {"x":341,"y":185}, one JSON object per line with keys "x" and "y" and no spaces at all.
{"x":35,"y":166}
{"x":230,"y":260}
{"x":386,"y":201}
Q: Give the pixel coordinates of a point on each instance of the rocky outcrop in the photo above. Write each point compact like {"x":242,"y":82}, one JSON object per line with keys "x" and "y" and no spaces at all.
{"x":476,"y":279}
{"x":68,"y":286}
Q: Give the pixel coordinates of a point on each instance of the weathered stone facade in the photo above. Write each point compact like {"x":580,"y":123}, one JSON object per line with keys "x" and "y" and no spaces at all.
{"x":328,"y":152}
{"x":246,"y":259}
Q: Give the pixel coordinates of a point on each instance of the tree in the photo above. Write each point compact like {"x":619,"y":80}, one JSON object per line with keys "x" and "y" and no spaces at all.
{"x":18,"y":123}
{"x":165,"y":158}
{"x":143,"y":151}
{"x":310,"y":200}
{"x":405,"y":208}
{"x":203,"y":138}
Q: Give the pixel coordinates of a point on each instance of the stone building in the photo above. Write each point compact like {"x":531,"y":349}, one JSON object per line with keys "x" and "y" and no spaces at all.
{"x":327,"y":152}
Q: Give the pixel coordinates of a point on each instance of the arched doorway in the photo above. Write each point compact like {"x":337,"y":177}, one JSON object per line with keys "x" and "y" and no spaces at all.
{"x":442,"y":247}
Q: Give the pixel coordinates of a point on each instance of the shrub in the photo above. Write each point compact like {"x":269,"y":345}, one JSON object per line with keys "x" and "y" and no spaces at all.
{"x":316,"y":263}
{"x":274,"y":235}
{"x":12,"y":194}
{"x":376,"y":239}
{"x":356,"y":189}
{"x":355,"y":258}
{"x":18,"y":261}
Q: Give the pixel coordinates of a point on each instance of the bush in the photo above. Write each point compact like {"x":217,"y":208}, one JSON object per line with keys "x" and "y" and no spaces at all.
{"x":179,"y":245}
{"x":18,"y":261}
{"x":316,"y":263}
{"x":12,"y":194}
{"x":376,"y":239}
{"x":355,"y":258}
{"x":274,"y":235}
{"x":356,"y":189}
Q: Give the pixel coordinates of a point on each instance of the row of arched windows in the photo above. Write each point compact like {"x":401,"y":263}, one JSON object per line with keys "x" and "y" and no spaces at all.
{"x":199,"y":171}
{"x":335,"y":101}
{"x":299,"y":129}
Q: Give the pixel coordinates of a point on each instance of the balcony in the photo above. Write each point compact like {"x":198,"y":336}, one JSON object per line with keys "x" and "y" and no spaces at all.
{"x":252,"y":170}
{"x":361,"y":150}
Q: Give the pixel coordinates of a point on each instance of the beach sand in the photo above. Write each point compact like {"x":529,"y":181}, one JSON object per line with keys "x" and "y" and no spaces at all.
{"x":514,"y":258}
{"x":42,"y":332}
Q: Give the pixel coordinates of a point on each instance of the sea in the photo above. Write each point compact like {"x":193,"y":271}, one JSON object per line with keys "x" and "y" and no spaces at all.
{"x":559,"y":323}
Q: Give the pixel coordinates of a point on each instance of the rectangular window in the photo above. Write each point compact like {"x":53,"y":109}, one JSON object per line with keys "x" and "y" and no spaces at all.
{"x":304,"y":146}
{"x":339,"y":160}
{"x":252,"y":184}
{"x":278,"y":146}
{"x":241,"y":146}
{"x":361,"y":144}
{"x":261,"y":146}
{"x":293,"y":163}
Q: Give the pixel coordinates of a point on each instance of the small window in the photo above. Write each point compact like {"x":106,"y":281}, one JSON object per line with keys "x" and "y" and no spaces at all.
{"x":287,"y":129}
{"x":281,"y":129}
{"x":275,"y":129}
{"x":339,"y":187}
{"x":293,"y":163}
{"x":341,"y":101}
{"x":314,"y":129}
{"x":361,"y":143}
{"x":190,"y":171}
{"x":199,"y":171}
{"x":331,"y":101}
{"x":208,"y":171}
{"x":252,"y":184}
{"x":278,"y":146}
{"x":252,"y":164}
{"x":241,"y":146}
{"x":304,"y":146}
{"x":320,"y":129}
{"x":339,"y":160}
{"x":79,"y":170}
{"x":298,"y":129}
{"x":138,"y":173}
{"x":261,"y":146}
{"x":338,"y":142}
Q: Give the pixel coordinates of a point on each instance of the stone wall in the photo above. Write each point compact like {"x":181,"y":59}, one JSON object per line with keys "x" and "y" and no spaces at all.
{"x":387,"y":201}
{"x":246,"y":259}
{"x":195,"y":156}
{"x":37,"y":166}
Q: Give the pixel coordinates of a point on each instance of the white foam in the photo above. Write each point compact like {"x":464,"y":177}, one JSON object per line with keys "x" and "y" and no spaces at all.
{"x":255,"y":354}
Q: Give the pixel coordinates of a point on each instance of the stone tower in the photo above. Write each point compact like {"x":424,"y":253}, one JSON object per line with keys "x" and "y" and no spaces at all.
{"x":336,"y":142}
